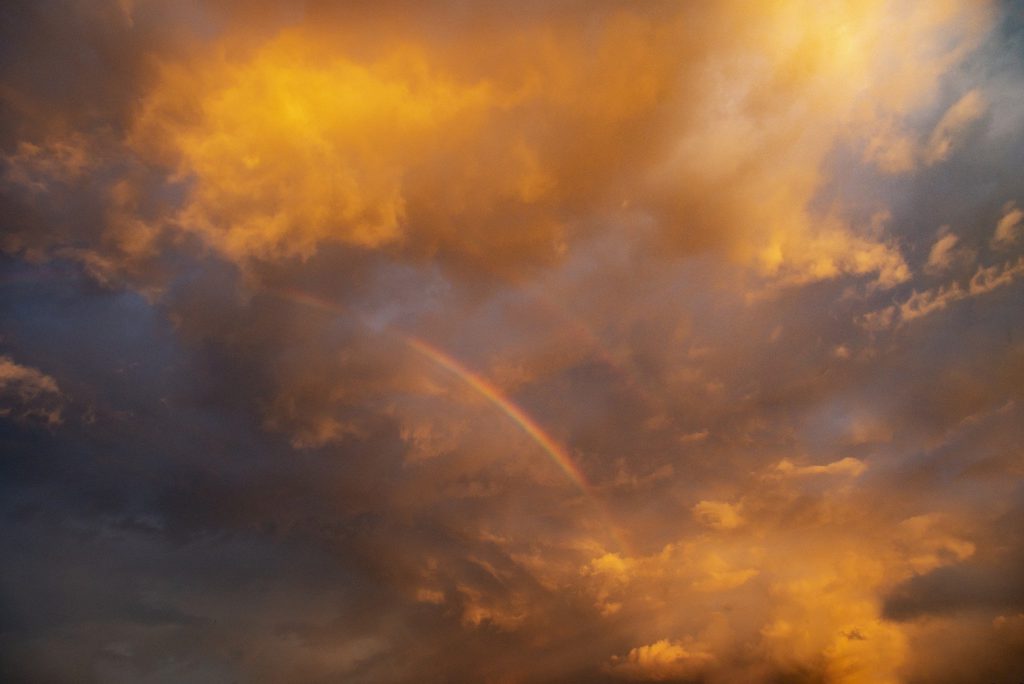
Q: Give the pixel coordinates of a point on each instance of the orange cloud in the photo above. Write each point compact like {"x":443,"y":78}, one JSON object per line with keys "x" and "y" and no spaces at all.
{"x":848,"y":466}
{"x":525,"y":186}
{"x":920,"y":304}
{"x":1008,"y":230}
{"x":716,"y":125}
{"x":27,"y":393}
{"x":719,"y":515}
{"x":660,"y":661}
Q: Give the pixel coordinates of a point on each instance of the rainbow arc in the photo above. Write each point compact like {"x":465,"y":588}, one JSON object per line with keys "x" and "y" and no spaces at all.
{"x":488,"y":391}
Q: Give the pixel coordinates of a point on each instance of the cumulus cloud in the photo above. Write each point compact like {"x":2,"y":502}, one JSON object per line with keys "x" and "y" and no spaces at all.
{"x":951,"y":126}
{"x":281,"y":144}
{"x":895,"y":150}
{"x":28,"y":394}
{"x":847,"y":466}
{"x":720,"y":515}
{"x":663,"y":660}
{"x":919,"y":304}
{"x":1009,"y":227}
{"x":944,"y":254}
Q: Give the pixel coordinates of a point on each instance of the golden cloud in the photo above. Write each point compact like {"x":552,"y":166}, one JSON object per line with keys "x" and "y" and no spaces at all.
{"x":501,"y":147}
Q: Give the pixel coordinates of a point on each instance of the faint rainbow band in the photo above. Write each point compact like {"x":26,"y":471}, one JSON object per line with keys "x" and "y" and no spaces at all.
{"x":487,"y":390}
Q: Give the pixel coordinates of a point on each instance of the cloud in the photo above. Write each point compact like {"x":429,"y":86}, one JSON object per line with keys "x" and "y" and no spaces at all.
{"x":944,"y":254}
{"x":669,"y":235}
{"x":1008,"y":228}
{"x":985,"y":280}
{"x":896,"y":150}
{"x":848,"y":466}
{"x":935,"y":546}
{"x":36,"y":168}
{"x":719,"y":515}
{"x":663,"y":660}
{"x":965,"y":111}
{"x":28,"y":394}
{"x":281,"y":143}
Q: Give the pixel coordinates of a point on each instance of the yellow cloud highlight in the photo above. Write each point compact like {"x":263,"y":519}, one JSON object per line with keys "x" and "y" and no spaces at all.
{"x":719,"y":515}
{"x":475,"y":151}
{"x":849,"y":466}
{"x":660,"y":661}
{"x":1008,"y":229}
{"x":300,"y":145}
{"x":492,"y":152}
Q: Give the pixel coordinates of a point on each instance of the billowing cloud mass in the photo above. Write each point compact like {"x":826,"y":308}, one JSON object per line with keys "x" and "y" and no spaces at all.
{"x":512,"y":342}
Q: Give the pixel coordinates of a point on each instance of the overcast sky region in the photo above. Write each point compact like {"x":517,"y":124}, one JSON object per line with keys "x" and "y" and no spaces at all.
{"x":525,"y":342}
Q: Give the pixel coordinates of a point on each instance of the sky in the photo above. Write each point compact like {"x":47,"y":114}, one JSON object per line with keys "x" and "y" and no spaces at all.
{"x":531,"y":342}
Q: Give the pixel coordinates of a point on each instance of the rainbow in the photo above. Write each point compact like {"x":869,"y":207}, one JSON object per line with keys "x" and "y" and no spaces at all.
{"x":485,"y":389}
{"x":481,"y":386}
{"x":491,"y":393}
{"x":527,"y":424}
